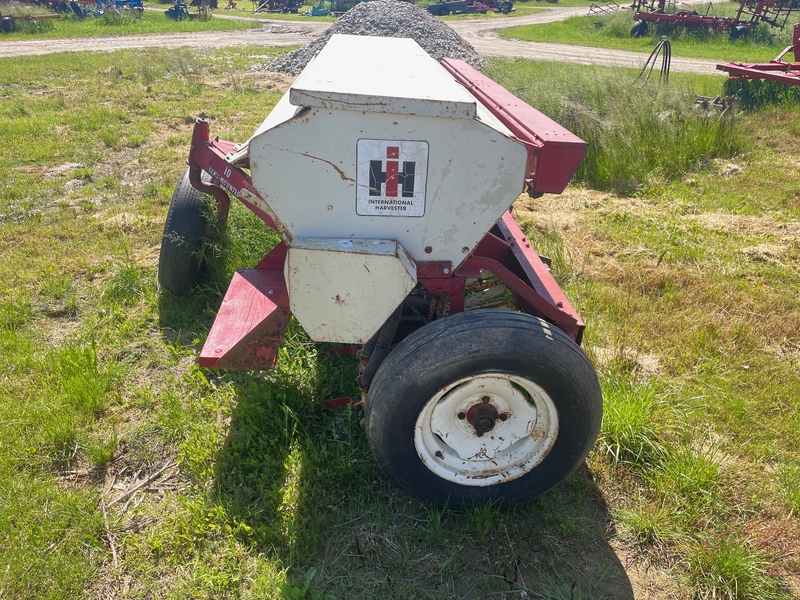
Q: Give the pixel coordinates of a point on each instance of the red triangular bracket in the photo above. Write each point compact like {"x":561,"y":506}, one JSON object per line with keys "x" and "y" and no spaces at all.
{"x":251,"y":321}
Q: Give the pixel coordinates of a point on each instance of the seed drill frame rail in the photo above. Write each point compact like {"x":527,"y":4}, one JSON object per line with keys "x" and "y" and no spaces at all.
{"x":254,"y":314}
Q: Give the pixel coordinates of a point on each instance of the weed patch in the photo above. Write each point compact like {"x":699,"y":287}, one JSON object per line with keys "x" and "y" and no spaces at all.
{"x":654,"y":136}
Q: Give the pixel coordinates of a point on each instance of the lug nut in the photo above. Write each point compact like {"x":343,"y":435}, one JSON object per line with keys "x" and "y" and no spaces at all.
{"x":485,"y":399}
{"x":462,"y":415}
{"x":502,"y":416}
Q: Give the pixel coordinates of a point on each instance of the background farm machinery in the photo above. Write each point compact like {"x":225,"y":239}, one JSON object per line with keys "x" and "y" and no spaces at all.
{"x":180,"y":10}
{"x":457,"y":7}
{"x":750,"y":13}
{"x":80,"y":9}
{"x":279,"y":6}
{"x":748,"y":81}
{"x":99,"y":8}
{"x":10,"y":23}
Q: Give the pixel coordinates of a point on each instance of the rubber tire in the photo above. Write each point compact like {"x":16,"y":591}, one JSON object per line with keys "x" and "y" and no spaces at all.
{"x":740,"y":32}
{"x":464,"y":345}
{"x":414,"y":316}
{"x":639,"y":29}
{"x":8,"y":24}
{"x":180,"y":261}
{"x":77,"y":10}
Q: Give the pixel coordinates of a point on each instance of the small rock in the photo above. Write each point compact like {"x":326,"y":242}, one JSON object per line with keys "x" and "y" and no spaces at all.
{"x":731,"y":170}
{"x":72,"y":185}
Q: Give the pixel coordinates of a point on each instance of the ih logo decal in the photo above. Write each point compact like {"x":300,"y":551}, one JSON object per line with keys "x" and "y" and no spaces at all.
{"x":392,"y":177}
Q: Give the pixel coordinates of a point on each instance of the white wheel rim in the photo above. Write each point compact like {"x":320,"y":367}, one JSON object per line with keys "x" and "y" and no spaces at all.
{"x":524,"y":427}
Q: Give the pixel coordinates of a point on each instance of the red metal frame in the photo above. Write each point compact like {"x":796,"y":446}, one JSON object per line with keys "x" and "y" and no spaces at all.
{"x":775,"y":70}
{"x":772,"y":12}
{"x":209,"y":155}
{"x":554,"y":153}
{"x":687,"y":19}
{"x":254,"y":314}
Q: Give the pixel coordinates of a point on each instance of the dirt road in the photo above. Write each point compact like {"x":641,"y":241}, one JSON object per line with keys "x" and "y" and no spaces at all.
{"x":481,"y":33}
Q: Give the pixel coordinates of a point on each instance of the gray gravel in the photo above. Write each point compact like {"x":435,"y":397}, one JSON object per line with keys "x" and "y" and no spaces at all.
{"x":384,"y":18}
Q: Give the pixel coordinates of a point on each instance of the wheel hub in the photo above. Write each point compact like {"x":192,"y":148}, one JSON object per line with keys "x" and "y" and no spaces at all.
{"x":486,"y":429}
{"x":483,"y":416}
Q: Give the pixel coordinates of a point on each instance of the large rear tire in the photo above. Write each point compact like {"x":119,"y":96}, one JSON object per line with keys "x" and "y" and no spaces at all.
{"x":180,"y":263}
{"x":639,"y":29}
{"x":483,"y":406}
{"x":8,"y":25}
{"x":740,"y":32}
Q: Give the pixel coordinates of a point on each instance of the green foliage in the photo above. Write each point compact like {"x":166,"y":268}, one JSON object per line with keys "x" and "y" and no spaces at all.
{"x":756,"y":93}
{"x":635,"y":423}
{"x":127,"y":285}
{"x":654,"y":135}
{"x":690,"y":480}
{"x":789,"y":478}
{"x":15,"y":313}
{"x":726,"y":567}
{"x":302,"y":591}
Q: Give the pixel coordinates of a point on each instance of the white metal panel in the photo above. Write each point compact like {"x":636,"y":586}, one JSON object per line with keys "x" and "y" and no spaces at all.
{"x":378,"y":74}
{"x":283,"y":111}
{"x":306,"y":170}
{"x":344,"y":290}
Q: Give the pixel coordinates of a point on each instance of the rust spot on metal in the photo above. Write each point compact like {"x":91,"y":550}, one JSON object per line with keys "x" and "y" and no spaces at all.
{"x":537,"y":433}
{"x":481,"y":453}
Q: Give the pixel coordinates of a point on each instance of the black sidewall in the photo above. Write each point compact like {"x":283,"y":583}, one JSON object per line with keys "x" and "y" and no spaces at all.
{"x":185,"y":233}
{"x":463,"y":346}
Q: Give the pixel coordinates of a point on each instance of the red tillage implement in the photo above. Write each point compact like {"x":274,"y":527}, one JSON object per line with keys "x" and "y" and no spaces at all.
{"x":392,"y":196}
{"x":750,"y":13}
{"x":776,"y":70}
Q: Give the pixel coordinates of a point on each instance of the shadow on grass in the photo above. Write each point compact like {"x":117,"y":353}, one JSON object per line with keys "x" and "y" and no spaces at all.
{"x":303,"y":480}
{"x":299,"y":485}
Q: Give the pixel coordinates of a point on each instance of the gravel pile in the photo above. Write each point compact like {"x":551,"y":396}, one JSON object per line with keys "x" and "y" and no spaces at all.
{"x":385,"y":18}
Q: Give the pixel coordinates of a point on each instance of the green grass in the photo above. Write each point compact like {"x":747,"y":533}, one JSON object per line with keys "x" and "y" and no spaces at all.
{"x":252,"y":490}
{"x":151,"y":22}
{"x":654,"y":135}
{"x":613,"y":31}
